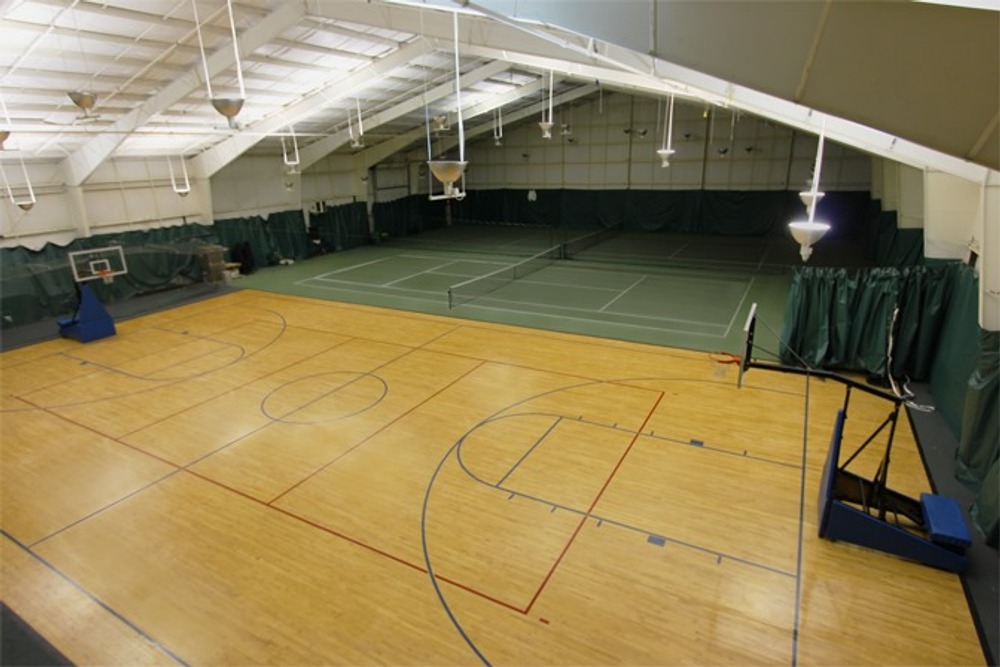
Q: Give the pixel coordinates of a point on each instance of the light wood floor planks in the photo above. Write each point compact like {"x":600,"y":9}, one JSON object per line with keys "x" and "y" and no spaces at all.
{"x":260,"y":479}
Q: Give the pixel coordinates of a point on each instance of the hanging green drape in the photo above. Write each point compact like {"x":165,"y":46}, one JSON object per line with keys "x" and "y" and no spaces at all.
{"x":978,"y":461}
{"x":342,"y":227}
{"x":894,"y":246}
{"x":398,"y":217}
{"x":842,"y":319}
{"x":236,"y":231}
{"x":287,"y":233}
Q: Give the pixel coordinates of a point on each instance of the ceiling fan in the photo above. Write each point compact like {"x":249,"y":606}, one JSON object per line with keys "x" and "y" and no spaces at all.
{"x":85,"y":101}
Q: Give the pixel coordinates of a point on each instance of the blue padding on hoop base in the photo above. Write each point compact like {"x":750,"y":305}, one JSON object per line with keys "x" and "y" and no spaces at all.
{"x":830,"y":473}
{"x":944,"y":521}
{"x":92,"y":320}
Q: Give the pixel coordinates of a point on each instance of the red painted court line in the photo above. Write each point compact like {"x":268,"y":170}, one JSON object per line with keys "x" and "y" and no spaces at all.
{"x":353,"y":540}
{"x":597,"y":498}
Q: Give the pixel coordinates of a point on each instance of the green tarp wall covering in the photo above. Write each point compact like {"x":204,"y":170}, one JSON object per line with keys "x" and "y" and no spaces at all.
{"x":894,"y":246}
{"x":732,"y":213}
{"x":979,"y":447}
{"x":38,"y":284}
{"x":342,"y":227}
{"x":280,"y":236}
{"x":839,"y":318}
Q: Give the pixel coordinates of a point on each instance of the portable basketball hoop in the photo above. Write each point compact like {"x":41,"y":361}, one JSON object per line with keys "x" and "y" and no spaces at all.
{"x":91,"y":321}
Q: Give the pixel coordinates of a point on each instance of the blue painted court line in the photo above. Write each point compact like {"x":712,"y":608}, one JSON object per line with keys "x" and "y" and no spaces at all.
{"x":605,"y":520}
{"x":697,"y":443}
{"x":521,"y":460}
{"x":98,"y":601}
{"x":657,"y":540}
{"x":802,"y":518}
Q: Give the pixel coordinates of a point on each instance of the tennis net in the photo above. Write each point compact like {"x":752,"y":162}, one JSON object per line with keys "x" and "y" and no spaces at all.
{"x":573,"y":247}
{"x":474,"y":288}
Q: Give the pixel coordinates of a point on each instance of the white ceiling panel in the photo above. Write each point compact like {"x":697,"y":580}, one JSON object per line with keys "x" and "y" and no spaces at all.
{"x":305,"y":62}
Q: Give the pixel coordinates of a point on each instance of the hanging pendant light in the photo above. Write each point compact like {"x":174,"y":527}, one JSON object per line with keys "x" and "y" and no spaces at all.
{"x":184,"y":188}
{"x":229,"y":107}
{"x":667,"y":150}
{"x":449,"y":172}
{"x":546,"y":122}
{"x":359,"y":140}
{"x":7,"y":126}
{"x":498,"y":126}
{"x":808,"y":232}
{"x":291,"y":160}
{"x":25,"y":203}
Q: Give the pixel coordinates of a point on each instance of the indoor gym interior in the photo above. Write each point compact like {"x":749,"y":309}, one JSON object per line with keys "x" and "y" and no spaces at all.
{"x":401,"y":449}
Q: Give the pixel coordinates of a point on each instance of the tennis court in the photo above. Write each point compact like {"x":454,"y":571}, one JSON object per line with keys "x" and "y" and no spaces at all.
{"x":638,"y":287}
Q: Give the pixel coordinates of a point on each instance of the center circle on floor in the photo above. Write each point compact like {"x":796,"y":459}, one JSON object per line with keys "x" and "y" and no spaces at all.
{"x":324,"y":397}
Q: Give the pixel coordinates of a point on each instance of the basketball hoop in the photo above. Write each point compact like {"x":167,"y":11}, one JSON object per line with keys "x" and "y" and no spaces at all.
{"x":106,"y":276}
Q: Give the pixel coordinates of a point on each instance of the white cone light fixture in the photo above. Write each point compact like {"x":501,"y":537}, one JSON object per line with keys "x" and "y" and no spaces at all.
{"x":808,"y":232}
{"x":546,"y":123}
{"x":667,"y":149}
{"x":451,"y":173}
{"x":228,"y":107}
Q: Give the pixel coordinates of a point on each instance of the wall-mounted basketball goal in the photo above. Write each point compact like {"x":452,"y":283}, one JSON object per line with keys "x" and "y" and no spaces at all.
{"x":91,"y":320}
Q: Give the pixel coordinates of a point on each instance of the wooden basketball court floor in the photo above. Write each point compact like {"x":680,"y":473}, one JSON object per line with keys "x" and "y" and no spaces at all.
{"x":272,"y":479}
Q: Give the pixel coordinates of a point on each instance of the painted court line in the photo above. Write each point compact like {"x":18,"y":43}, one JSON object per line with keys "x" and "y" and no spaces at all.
{"x":621,"y":294}
{"x":530,"y":450}
{"x":418,"y":273}
{"x":101,"y":603}
{"x":593,"y":504}
{"x":356,"y":266}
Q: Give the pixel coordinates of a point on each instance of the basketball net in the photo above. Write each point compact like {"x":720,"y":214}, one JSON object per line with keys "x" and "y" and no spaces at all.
{"x":106,"y":276}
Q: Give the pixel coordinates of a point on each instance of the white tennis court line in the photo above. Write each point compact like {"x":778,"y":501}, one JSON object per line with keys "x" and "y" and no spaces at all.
{"x":591,"y":320}
{"x":334,"y":283}
{"x":621,"y":294}
{"x":418,"y":273}
{"x":740,"y":304}
{"x":354,"y":266}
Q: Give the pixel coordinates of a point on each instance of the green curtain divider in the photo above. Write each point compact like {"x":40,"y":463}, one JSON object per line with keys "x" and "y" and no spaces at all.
{"x":399,"y":217}
{"x":729,"y":213}
{"x":342,"y":227}
{"x":840,"y":319}
{"x":978,"y":459}
{"x":287,"y":231}
{"x":235,"y":231}
{"x":955,"y":358}
{"x":894,"y":246}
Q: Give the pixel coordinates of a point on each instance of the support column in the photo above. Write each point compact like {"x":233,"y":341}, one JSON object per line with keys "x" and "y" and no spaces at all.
{"x":78,"y":210}
{"x":989,"y":258}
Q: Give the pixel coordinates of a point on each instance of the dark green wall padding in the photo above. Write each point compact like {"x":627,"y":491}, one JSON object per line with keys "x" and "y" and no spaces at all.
{"x":978,"y":464}
{"x":721,"y":212}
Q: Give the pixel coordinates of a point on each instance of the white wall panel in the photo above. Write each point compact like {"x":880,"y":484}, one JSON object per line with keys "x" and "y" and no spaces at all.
{"x":911,"y":198}
{"x":953,"y":208}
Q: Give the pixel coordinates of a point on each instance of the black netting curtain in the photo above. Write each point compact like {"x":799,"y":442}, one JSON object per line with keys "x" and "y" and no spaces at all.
{"x":39,"y":283}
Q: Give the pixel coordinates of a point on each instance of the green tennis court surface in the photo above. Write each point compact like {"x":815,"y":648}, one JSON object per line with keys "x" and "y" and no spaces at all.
{"x":641,"y":287}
